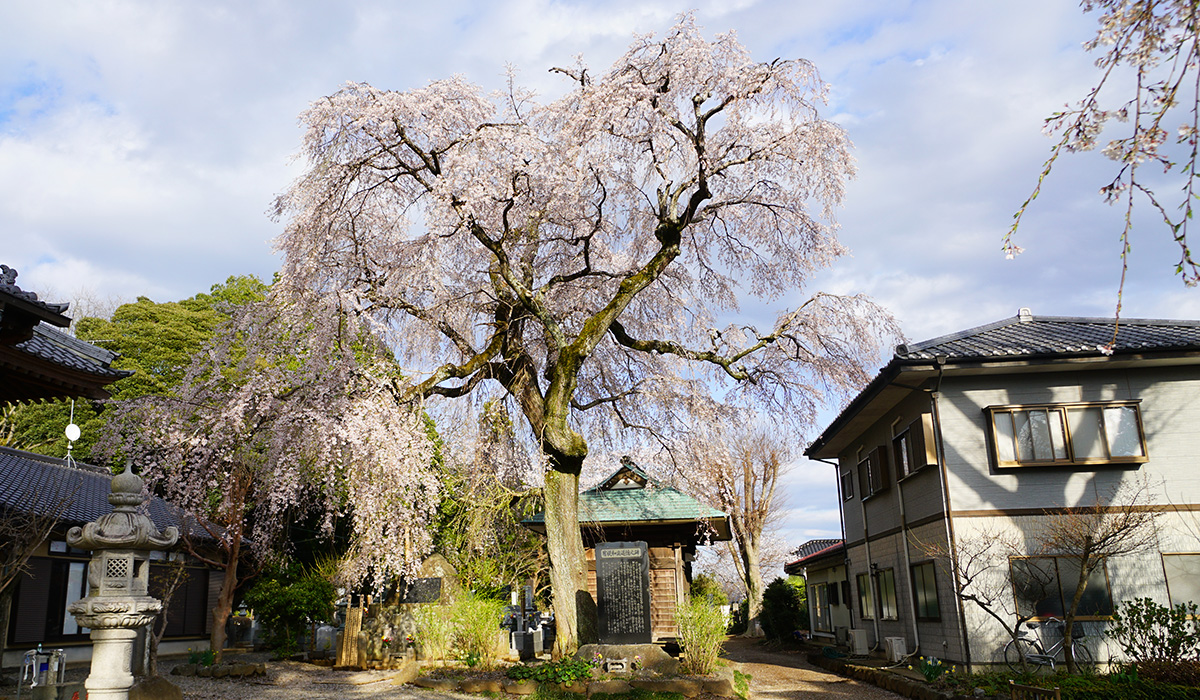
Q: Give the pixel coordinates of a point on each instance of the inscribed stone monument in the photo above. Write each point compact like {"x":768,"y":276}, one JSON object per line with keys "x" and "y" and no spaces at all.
{"x":623,"y":590}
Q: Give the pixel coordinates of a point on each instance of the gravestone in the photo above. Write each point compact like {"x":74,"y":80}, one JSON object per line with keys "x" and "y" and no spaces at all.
{"x":623,"y":590}
{"x":421,"y":590}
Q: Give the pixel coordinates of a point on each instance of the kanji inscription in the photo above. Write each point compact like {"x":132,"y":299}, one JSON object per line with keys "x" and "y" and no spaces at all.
{"x":623,"y":590}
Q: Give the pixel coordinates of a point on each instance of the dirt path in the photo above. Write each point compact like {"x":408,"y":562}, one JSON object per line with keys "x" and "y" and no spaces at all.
{"x":787,"y":675}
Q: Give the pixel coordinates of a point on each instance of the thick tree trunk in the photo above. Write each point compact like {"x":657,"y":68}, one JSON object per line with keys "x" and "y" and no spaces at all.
{"x":752,"y":574}
{"x":224,"y":607}
{"x":574,"y":609}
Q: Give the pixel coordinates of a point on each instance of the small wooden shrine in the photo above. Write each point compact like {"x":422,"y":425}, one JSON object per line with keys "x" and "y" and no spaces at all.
{"x":629,"y":506}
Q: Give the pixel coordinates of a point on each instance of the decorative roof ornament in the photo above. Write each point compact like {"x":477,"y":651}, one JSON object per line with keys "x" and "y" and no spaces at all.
{"x":124,"y":527}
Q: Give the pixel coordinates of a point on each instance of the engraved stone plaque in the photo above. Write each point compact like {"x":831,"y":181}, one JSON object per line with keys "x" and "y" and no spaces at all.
{"x":623,"y":592}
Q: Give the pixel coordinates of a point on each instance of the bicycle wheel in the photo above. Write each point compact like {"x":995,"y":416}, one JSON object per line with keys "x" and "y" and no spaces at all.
{"x":1015,"y":653}
{"x":1083,"y":658}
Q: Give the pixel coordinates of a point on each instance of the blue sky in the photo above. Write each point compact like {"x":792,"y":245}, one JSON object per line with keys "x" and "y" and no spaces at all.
{"x":141,"y":143}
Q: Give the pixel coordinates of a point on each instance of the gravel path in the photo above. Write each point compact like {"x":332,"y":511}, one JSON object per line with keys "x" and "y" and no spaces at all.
{"x":787,"y":675}
{"x":776,"y":675}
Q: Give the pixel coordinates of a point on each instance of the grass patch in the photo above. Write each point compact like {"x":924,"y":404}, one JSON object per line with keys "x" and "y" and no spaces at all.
{"x":741,"y":684}
{"x":550,"y":691}
{"x":1085,"y":687}
{"x":638,"y":694}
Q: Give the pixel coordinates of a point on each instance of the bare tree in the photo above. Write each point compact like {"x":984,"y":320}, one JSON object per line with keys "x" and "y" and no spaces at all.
{"x":981,"y":567}
{"x":21,"y":533}
{"x":165,"y":581}
{"x":1116,"y":524}
{"x":736,"y":465}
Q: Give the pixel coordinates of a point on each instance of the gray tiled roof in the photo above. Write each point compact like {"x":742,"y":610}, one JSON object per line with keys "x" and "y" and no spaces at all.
{"x":1026,"y":334}
{"x":66,"y":350}
{"x":33,"y":483}
{"x":811,"y":551}
{"x":9,"y":288}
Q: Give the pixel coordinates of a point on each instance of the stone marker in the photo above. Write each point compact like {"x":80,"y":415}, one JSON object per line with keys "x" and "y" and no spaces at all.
{"x":623,"y":590}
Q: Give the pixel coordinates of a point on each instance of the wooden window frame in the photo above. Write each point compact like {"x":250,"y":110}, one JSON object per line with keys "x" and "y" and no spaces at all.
{"x":937,"y":603}
{"x":994,"y":413}
{"x":914,"y":446}
{"x":866,"y":601}
{"x":1062,"y":592}
{"x":873,"y":472}
{"x":895,"y":598}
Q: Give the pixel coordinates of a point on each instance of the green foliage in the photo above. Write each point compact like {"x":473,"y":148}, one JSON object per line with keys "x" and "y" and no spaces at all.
{"x":1148,"y":631}
{"x":1117,"y":686}
{"x":741,"y":616}
{"x":562,"y":671}
{"x":435,"y":631}
{"x":1170,"y":671}
{"x":701,"y":633}
{"x":784,"y":608}
{"x":477,"y":624}
{"x":156,"y":341}
{"x":932,"y":668}
{"x":741,"y":684}
{"x":286,"y":600}
{"x":637,"y":694}
{"x":705,"y":586}
{"x":204,"y":657}
{"x":552,"y":691}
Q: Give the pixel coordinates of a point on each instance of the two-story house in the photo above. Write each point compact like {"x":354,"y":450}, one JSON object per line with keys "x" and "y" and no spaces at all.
{"x":989,"y":432}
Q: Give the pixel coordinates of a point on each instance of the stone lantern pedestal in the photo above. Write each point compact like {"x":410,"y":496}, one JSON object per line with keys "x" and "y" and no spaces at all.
{"x":118,"y":602}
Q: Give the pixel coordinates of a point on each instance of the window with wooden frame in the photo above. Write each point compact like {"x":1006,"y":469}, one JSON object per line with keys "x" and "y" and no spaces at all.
{"x":1044,"y":586}
{"x":1183,"y":578}
{"x":872,"y":472}
{"x":888,"y":610}
{"x":866,"y":603}
{"x":925,"y":591}
{"x":820,"y":602}
{"x":913,"y":447}
{"x":1107,"y":432}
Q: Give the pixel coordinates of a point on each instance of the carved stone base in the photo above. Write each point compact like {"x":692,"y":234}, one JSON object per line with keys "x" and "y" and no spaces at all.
{"x":112,"y":652}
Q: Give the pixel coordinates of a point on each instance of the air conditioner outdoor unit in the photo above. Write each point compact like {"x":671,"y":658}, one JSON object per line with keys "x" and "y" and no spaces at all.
{"x":858,"y":642}
{"x":895,"y":648}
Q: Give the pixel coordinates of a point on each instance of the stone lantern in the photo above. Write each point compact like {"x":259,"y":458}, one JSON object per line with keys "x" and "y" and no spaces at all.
{"x":118,"y":600}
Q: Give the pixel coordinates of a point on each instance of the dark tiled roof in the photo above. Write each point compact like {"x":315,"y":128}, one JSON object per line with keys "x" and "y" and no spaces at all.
{"x":811,"y":551}
{"x":33,"y":483}
{"x":68,"y":351}
{"x":9,"y":291}
{"x":1026,"y":334}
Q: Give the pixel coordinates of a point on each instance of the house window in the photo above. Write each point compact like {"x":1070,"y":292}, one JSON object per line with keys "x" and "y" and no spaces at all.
{"x":887,"y":595}
{"x":1183,"y":578}
{"x":821,"y":608}
{"x":1066,"y":434}
{"x":847,"y":485}
{"x":76,"y":588}
{"x":911,"y":448}
{"x":925,"y":592}
{"x":1044,"y":586}
{"x":866,"y":604}
{"x":872,"y":472}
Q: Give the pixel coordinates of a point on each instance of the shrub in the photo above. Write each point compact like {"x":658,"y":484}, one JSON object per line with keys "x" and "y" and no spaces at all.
{"x":435,"y":631}
{"x":477,"y":624}
{"x":562,"y":671}
{"x":1146,"y":630}
{"x":741,"y":684}
{"x":203,"y":657}
{"x":287,"y":599}
{"x":784,"y":608}
{"x":1172,"y":671}
{"x":701,"y":632}
{"x":705,"y":586}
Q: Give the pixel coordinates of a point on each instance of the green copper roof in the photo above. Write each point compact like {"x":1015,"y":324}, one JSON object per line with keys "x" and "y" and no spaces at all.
{"x":630,"y":496}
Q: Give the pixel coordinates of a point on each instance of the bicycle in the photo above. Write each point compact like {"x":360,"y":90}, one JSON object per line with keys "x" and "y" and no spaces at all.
{"x":1030,"y":650}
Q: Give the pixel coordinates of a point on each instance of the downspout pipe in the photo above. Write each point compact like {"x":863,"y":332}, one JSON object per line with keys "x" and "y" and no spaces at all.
{"x":935,"y":399}
{"x":846,"y":549}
